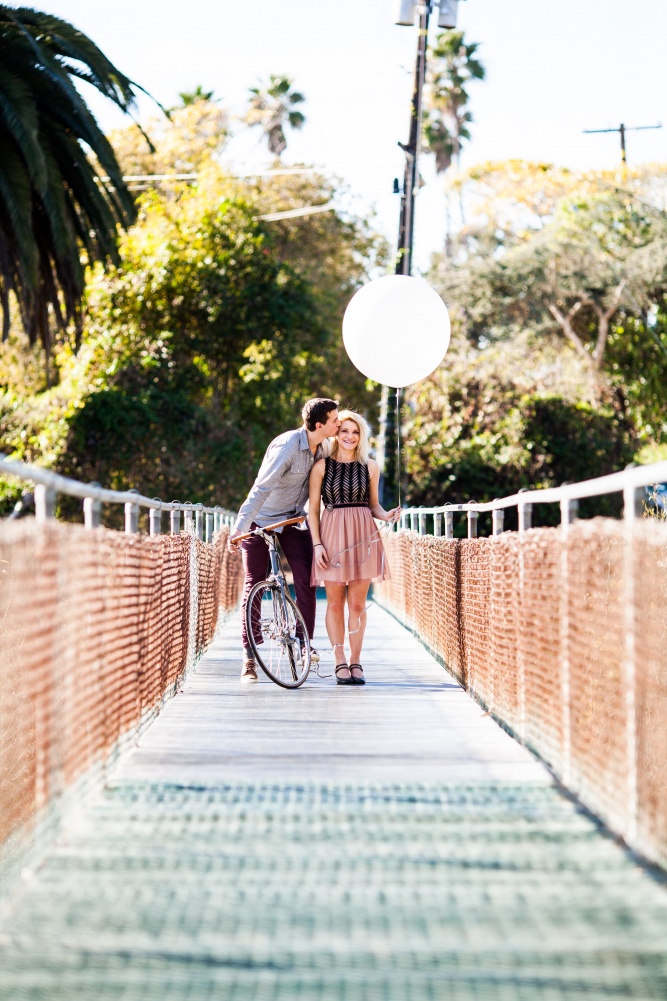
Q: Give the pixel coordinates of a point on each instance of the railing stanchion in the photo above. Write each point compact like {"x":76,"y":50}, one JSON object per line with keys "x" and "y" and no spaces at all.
{"x":188,"y":519}
{"x":449,"y":524}
{"x":525,"y":517}
{"x":175,"y":520}
{"x":199,"y":521}
{"x":422,"y":523}
{"x":45,"y":502}
{"x":472,"y":524}
{"x":209,"y":526}
{"x":131,"y":516}
{"x":155,"y":520}
{"x":217,"y":520}
{"x":92,"y":512}
{"x":631,"y":509}
{"x":437,"y":524}
{"x":498,"y":521}
{"x":413,"y":521}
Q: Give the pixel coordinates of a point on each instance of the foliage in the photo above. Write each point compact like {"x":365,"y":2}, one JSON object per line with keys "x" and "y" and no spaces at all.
{"x":483,"y":427}
{"x":189,"y":97}
{"x":181,"y":144}
{"x":272,"y":108}
{"x":453,"y":63}
{"x":591,"y":266}
{"x":202,"y":346}
{"x":52,"y":201}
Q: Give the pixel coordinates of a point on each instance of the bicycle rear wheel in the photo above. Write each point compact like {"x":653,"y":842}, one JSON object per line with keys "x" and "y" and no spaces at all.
{"x":273,"y":624}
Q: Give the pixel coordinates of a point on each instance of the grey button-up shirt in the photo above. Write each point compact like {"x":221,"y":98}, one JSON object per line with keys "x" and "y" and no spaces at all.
{"x":281,"y":488}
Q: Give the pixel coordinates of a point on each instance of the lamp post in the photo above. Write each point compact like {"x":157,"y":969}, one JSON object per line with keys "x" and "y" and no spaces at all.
{"x":388,"y":444}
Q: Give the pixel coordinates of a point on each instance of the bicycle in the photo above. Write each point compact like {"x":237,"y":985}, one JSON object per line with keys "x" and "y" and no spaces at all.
{"x":276,"y":630}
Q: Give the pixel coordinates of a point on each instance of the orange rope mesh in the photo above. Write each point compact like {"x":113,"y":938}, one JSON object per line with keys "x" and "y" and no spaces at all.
{"x":564,"y":639}
{"x":94,"y":632}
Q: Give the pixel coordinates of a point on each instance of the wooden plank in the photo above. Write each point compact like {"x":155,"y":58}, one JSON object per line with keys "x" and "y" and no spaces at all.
{"x":411,"y":721}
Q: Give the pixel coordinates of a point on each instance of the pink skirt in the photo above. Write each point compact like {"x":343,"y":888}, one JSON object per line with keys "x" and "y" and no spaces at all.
{"x":354,"y":547}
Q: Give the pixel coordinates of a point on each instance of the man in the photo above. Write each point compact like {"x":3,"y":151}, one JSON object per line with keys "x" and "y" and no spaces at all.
{"x":280,"y":492}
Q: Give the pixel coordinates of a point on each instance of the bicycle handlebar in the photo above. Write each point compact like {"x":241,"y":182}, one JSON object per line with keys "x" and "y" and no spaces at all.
{"x":270,"y":528}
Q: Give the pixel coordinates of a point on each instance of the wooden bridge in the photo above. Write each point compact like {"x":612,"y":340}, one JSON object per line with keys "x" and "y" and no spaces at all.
{"x":391,"y":841}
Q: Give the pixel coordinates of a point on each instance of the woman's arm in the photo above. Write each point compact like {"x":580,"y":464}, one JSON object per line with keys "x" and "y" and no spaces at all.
{"x":376,"y":508}
{"x":314,"y":503}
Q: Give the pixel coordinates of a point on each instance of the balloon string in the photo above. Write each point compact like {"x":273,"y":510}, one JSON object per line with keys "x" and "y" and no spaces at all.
{"x":398,"y":443}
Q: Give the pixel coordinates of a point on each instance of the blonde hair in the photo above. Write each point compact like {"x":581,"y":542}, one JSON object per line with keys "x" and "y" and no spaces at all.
{"x":363,"y":448}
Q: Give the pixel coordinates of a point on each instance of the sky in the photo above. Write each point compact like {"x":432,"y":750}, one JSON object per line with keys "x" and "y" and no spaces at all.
{"x":554,"y":68}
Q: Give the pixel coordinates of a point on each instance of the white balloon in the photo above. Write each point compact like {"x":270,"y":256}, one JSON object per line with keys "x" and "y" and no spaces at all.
{"x":396,"y":330}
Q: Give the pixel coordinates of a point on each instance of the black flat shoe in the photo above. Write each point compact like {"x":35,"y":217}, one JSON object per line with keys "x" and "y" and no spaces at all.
{"x":357,"y":681}
{"x":342,"y":681}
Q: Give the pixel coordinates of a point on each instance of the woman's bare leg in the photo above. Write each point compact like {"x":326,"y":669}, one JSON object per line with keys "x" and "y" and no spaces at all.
{"x":357,"y":594}
{"x":335,"y":623}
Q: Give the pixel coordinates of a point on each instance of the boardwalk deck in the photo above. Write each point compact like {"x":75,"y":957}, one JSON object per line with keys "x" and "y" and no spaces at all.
{"x":377,"y":843}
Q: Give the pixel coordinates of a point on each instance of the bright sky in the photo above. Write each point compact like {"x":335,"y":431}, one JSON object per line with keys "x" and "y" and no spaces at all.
{"x":554,"y":68}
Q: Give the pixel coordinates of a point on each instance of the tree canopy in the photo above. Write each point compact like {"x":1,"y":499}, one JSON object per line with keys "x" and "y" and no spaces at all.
{"x":53,"y":200}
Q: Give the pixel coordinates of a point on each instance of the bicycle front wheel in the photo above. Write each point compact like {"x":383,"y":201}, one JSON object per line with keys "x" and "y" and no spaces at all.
{"x":277,"y":635}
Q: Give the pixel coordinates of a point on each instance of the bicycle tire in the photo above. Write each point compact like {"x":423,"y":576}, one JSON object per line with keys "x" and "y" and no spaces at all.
{"x":279,"y":652}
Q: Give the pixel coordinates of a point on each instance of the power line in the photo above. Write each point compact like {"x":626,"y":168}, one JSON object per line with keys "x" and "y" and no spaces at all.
{"x":622,"y":129}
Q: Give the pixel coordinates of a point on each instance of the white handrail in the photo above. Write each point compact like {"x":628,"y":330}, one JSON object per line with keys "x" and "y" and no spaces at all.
{"x":74,"y":488}
{"x":627,"y":480}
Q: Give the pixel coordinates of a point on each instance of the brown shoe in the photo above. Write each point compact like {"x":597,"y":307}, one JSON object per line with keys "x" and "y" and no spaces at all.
{"x":249,"y":673}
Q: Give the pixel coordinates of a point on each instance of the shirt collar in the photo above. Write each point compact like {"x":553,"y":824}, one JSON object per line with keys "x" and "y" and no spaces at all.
{"x":303,"y":439}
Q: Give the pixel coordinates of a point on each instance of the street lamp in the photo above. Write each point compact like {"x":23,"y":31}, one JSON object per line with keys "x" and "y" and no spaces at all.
{"x":406,"y":14}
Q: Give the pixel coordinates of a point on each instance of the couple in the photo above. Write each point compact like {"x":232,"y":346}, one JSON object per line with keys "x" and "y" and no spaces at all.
{"x":324,"y":460}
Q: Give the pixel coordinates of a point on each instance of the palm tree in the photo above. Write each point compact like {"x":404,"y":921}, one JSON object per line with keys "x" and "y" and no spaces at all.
{"x":189,"y":97}
{"x":272,"y":108}
{"x":453,"y":64}
{"x":53,"y":202}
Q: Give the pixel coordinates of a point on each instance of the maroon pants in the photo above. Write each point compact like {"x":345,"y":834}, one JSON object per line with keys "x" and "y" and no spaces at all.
{"x":297,"y":545}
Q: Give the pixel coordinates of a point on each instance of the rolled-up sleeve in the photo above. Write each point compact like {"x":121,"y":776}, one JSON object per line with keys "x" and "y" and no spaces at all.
{"x":276,"y":461}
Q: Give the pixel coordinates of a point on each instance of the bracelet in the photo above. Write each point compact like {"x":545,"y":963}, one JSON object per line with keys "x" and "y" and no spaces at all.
{"x":316,"y":544}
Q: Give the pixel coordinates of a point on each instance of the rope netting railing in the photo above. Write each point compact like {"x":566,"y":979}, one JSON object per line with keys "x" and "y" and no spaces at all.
{"x":561,"y":633}
{"x":97,"y":628}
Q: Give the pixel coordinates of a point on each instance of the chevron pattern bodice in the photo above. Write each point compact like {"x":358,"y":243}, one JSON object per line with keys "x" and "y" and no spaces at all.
{"x":345,"y":484}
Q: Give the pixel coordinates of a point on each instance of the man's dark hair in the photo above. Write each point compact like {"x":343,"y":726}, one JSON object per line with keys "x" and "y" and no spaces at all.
{"x":316,"y":412}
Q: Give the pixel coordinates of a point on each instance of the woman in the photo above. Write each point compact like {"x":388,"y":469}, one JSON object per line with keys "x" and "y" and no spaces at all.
{"x":348,"y":551}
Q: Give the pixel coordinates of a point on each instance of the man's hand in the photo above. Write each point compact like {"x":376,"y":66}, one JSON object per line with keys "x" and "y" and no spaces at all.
{"x":232,"y":545}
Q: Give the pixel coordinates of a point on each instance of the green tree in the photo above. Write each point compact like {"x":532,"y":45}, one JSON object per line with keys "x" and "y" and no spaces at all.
{"x":200,"y":347}
{"x":53,"y":201}
{"x":272,"y":108}
{"x":189,"y":97}
{"x":452,"y":64}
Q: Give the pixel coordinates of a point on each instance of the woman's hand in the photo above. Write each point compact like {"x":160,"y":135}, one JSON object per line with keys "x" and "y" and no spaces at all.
{"x":321,"y":557}
{"x":393,"y":515}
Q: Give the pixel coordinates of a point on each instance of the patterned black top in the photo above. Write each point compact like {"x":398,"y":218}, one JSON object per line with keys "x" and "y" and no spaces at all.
{"x":345,"y":484}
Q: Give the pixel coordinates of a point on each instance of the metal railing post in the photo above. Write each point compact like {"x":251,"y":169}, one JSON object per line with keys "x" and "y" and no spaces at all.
{"x":632,"y":508}
{"x":188,"y":519}
{"x":131,"y":515}
{"x":92,"y":512}
{"x":498,"y":521}
{"x":413,"y":521}
{"x":209,"y":527}
{"x":449,"y":524}
{"x":472,"y":524}
{"x":437,"y":524}
{"x":199,"y":521}
{"x":568,"y":511}
{"x":217,"y":520}
{"x":155,"y":519}
{"x":45,"y":502}
{"x":422,"y":523}
{"x":525,"y":517}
